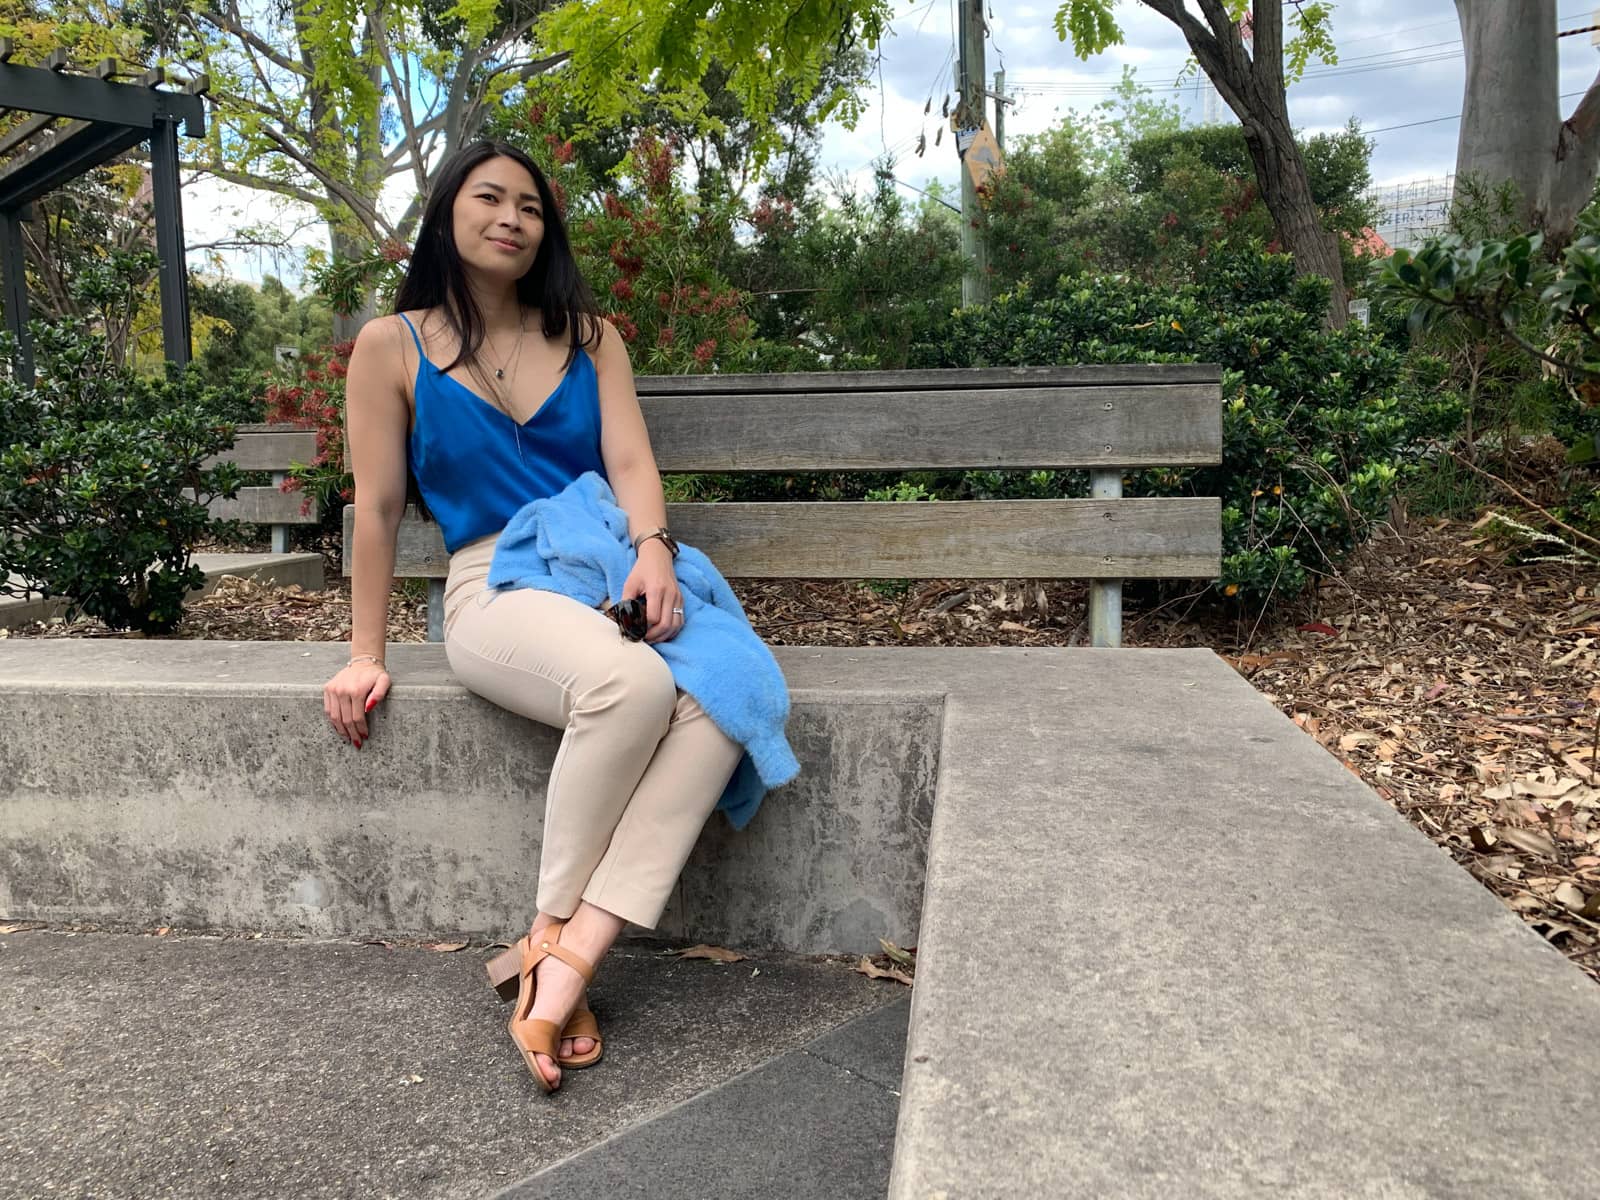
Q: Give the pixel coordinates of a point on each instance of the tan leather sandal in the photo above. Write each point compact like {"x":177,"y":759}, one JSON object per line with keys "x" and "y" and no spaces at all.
{"x":505,"y":970}
{"x":532,"y":1035}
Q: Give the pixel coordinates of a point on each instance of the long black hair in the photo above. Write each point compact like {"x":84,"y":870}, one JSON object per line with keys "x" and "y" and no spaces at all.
{"x":436,"y":277}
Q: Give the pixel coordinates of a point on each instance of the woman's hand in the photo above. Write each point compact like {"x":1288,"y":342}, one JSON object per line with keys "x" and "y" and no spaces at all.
{"x":653,"y":579}
{"x":350,"y":695}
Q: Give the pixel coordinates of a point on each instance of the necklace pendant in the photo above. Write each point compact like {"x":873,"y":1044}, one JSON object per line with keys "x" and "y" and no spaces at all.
{"x":499,"y":373}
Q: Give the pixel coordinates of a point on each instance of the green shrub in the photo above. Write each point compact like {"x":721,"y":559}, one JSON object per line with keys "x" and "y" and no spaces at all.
{"x":1317,"y":426}
{"x":96,"y":473}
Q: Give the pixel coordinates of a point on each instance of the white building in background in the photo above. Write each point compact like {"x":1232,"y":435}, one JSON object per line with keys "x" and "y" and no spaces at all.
{"x":1414,"y":211}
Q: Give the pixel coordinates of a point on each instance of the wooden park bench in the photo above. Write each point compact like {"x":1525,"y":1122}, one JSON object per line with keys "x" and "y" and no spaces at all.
{"x":1107,"y":419}
{"x":275,"y":448}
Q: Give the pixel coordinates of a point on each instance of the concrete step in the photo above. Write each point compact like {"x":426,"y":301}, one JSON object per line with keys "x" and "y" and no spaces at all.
{"x":816,"y":1123}
{"x":216,"y":1067}
{"x":280,"y":569}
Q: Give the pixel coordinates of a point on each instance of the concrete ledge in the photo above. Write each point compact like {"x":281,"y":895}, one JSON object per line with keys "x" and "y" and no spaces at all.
{"x":199,"y":784}
{"x":1185,"y":953}
{"x":279,"y":569}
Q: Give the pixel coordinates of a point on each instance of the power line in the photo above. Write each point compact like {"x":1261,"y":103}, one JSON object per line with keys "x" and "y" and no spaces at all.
{"x":1091,"y":87}
{"x":1436,"y":120}
{"x":1357,"y":65}
{"x":1436,"y":24}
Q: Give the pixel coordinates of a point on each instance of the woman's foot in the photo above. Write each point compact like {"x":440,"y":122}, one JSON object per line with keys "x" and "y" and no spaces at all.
{"x":562,"y":959}
{"x":557,"y":990}
{"x":578,"y":1047}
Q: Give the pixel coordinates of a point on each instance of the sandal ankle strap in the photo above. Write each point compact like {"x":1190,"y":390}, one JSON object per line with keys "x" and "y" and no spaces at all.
{"x":547,"y":943}
{"x":581,"y":965}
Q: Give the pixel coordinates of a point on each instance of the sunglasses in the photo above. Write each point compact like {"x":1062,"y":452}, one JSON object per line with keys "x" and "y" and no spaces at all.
{"x":630,"y":618}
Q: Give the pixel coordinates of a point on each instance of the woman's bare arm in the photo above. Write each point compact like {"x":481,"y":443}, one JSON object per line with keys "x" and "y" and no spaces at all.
{"x":376,"y":417}
{"x":624,"y":442}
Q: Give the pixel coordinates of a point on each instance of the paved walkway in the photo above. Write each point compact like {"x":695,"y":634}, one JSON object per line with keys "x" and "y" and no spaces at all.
{"x":179,"y":1066}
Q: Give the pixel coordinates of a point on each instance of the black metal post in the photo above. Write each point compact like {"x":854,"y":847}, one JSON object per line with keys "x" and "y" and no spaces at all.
{"x":169,"y":241}
{"x":14,"y":288}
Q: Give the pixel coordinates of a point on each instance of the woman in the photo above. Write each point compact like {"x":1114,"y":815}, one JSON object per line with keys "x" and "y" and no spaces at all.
{"x":499,"y":384}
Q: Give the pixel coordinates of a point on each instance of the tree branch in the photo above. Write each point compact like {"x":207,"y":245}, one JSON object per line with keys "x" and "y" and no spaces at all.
{"x":1521,"y":499}
{"x":230,"y":24}
{"x":511,"y":36}
{"x":258,"y":183}
{"x":527,"y":70}
{"x":364,"y":210}
{"x":1230,"y":77}
{"x":402,"y":98}
{"x":1266,"y":28}
{"x":401,"y":149}
{"x":1577,"y":152}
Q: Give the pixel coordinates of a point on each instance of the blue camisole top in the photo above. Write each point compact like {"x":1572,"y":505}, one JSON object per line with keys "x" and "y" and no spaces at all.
{"x":476,"y":466}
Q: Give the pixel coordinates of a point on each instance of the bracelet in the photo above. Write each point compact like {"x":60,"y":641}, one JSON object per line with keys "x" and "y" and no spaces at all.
{"x":371,"y":658}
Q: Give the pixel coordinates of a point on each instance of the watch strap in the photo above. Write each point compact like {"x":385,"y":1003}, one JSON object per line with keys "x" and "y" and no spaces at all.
{"x":664,"y":534}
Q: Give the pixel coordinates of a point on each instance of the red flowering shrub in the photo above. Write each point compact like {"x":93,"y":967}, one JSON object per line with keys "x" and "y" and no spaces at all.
{"x":317,"y":403}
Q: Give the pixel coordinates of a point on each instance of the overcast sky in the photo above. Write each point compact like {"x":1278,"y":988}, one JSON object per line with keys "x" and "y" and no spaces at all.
{"x":1400,"y":72}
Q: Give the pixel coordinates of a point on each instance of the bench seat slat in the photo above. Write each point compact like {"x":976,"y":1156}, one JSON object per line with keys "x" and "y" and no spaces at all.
{"x":1087,"y":539}
{"x":1093,"y":426}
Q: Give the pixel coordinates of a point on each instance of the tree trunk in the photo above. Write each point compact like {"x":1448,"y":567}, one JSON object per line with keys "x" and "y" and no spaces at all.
{"x":1286,"y":191}
{"x":1511,"y":126}
{"x":1254,"y":89}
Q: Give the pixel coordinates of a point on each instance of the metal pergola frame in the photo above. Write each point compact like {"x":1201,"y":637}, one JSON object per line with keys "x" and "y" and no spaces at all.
{"x":104,"y":119}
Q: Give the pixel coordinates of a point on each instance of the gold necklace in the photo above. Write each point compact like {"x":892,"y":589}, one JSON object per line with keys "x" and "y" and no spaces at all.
{"x":522,"y":329}
{"x":500,"y":374}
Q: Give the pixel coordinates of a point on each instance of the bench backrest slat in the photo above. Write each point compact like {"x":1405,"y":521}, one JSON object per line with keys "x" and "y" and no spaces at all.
{"x":1106,"y":419}
{"x":268,"y":448}
{"x":1053,"y":426}
{"x":964,"y":379}
{"x":265,"y":506}
{"x":1082,"y":539}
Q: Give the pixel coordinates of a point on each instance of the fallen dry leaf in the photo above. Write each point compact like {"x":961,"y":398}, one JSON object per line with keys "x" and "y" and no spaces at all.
{"x":1571,"y":895}
{"x":712,"y":953}
{"x":445,"y":947}
{"x":1530,"y":841}
{"x":872,"y":971}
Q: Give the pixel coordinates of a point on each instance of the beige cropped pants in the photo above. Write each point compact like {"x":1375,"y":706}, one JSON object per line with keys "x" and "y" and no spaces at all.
{"x":640,"y":766}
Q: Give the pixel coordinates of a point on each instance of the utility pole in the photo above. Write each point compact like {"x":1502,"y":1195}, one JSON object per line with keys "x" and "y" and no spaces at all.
{"x":969,"y":120}
{"x":1000,"y":103}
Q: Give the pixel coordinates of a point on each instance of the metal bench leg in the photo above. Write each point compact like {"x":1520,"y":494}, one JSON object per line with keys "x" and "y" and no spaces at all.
{"x":436,"y":610}
{"x":280,"y":533}
{"x":1105,"y":595}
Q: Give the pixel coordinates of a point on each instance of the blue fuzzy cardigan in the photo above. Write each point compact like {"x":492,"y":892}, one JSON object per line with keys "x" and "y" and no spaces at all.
{"x":576,"y":543}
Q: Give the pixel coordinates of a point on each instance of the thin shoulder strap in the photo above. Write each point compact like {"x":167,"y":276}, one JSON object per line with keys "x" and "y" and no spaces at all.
{"x":414,"y":336}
